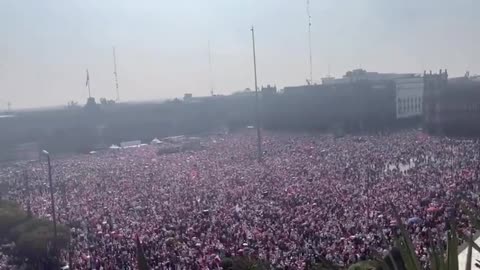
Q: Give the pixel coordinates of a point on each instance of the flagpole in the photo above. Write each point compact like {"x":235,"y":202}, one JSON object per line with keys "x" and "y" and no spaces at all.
{"x":115,"y":73}
{"x":210,"y":71}
{"x":88,"y":85}
{"x":257,"y":117}
{"x":310,"y":41}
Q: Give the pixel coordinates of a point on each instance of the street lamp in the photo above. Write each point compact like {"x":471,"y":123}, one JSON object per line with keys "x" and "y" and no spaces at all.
{"x":52,"y":199}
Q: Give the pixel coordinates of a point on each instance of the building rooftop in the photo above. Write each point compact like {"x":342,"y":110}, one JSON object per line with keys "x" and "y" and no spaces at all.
{"x":363,"y":75}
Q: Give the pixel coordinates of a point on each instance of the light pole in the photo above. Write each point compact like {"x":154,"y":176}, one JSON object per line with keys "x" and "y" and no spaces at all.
{"x":257,"y":117}
{"x":52,"y":199}
{"x":27,"y":189}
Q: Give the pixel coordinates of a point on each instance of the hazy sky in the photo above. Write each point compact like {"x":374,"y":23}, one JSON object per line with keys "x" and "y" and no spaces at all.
{"x":162,"y":46}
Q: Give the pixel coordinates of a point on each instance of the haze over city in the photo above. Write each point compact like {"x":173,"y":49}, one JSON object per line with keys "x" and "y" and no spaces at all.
{"x":162,"y":46}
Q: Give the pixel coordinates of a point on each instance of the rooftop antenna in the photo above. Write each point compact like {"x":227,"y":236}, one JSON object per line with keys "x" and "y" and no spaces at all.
{"x":310,"y":40}
{"x":115,"y":74}
{"x":210,"y":69}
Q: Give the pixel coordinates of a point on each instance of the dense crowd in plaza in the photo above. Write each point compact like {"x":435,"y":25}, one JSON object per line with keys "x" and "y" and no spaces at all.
{"x":313,"y":196}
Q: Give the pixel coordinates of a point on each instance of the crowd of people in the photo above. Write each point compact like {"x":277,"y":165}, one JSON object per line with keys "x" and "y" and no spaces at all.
{"x":312,"y":196}
{"x":4,"y":261}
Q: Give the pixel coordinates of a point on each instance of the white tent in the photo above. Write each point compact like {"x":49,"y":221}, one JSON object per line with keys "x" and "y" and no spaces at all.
{"x":156,"y":141}
{"x":113,"y":146}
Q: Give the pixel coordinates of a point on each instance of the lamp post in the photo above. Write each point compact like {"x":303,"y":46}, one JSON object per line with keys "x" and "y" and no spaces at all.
{"x":52,"y":199}
{"x":27,"y":189}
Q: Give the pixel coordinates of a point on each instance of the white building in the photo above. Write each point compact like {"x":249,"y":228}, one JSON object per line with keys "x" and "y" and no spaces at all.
{"x":409,"y":96}
{"x":408,"y":89}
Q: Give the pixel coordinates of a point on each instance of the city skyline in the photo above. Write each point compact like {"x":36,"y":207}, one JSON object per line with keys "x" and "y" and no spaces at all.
{"x":162,"y":47}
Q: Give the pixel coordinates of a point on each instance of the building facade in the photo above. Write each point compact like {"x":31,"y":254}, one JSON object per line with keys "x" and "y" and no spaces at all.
{"x":360,"y":105}
{"x":408,"y":89}
{"x":452,"y":106}
{"x":409,"y":96}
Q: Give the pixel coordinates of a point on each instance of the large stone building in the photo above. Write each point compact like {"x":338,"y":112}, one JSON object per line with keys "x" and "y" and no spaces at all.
{"x":408,"y":89}
{"x":409,"y":97}
{"x":347,"y":106}
{"x":452,"y":106}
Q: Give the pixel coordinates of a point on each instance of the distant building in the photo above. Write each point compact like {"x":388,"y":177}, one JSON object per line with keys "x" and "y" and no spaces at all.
{"x":27,"y":151}
{"x":408,"y":89}
{"x":452,"y":106}
{"x":363,"y":75}
{"x":409,"y":96}
{"x":245,"y":92}
{"x":269,"y":90}
{"x":351,"y":106}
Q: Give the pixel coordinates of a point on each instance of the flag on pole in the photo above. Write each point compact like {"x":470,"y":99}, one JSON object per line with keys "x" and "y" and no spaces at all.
{"x":88,"y":79}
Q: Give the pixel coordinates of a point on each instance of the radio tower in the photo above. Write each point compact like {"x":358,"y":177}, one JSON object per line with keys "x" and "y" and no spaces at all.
{"x":310,"y":40}
{"x":116,"y":75}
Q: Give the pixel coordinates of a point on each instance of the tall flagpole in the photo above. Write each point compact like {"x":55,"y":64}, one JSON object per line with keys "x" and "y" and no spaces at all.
{"x":210,"y":69}
{"x":310,"y":41}
{"x":88,"y":85}
{"x":257,"y":117}
{"x":116,"y":75}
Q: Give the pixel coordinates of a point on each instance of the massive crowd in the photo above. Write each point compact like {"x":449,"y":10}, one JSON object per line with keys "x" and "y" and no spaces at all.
{"x":311,"y":197}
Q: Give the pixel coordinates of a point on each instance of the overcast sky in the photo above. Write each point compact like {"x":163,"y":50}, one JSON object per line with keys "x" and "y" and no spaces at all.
{"x":162,"y":45}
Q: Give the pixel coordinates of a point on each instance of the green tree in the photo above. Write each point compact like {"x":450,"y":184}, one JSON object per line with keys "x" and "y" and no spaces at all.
{"x":244,"y":263}
{"x":36,"y":245}
{"x":403,"y":255}
{"x":34,"y":238}
{"x":10,"y":216}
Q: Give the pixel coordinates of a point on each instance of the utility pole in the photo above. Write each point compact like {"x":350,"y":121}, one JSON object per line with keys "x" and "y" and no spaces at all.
{"x":257,"y":116}
{"x":52,"y":200}
{"x":115,"y":73}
